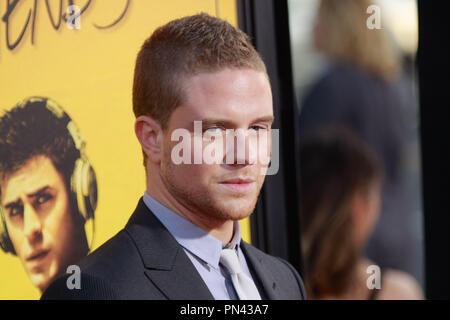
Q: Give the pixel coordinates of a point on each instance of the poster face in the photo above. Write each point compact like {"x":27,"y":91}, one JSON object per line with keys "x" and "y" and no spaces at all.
{"x":69,"y":149}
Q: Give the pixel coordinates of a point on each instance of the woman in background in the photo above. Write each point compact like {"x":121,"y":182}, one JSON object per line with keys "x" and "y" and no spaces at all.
{"x":340,"y":182}
{"x":362,"y":90}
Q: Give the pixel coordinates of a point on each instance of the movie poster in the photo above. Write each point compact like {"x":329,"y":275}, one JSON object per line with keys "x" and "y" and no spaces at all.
{"x":68,"y":153}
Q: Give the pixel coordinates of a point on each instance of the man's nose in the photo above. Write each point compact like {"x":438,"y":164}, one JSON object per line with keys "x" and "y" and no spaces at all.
{"x":32,"y":224}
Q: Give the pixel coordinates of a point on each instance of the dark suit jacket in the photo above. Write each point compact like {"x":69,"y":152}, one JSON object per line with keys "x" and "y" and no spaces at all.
{"x":144,"y":261}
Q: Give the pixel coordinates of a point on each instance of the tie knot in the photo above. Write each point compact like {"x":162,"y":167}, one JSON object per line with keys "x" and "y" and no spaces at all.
{"x":229,"y":259}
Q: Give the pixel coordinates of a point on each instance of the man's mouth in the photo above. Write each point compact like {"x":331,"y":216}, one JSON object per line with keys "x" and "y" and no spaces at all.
{"x":37,"y":255}
{"x":240,"y":185}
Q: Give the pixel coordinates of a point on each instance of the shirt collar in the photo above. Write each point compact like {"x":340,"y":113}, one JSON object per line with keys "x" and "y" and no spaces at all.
{"x":194,"y":239}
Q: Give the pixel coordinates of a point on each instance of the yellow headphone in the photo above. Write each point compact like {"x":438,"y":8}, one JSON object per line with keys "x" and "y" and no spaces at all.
{"x":83,"y":182}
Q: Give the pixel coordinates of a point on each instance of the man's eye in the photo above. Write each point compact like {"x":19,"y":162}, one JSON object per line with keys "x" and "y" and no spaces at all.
{"x":257,"y":128}
{"x":213,"y":130}
{"x":43,"y":198}
{"x":15,"y":211}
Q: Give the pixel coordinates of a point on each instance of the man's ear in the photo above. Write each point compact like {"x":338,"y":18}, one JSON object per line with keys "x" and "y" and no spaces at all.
{"x":149,"y":133}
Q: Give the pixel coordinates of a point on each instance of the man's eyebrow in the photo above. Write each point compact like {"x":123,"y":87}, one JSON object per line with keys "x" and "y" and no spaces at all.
{"x":30,"y":195}
{"x":11,"y":204}
{"x":38,"y":192}
{"x":265,"y":119}
{"x":34,"y":194}
{"x":210,"y":121}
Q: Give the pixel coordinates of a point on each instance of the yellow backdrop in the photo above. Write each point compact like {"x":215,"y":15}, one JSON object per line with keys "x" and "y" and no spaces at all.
{"x":89,"y":73}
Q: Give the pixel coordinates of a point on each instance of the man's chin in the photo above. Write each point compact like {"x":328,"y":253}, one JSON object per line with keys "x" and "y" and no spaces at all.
{"x":40,"y":281}
{"x":237,"y":209}
{"x":42,"y":278}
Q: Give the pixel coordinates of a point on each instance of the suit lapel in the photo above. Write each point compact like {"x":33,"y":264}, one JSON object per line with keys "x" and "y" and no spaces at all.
{"x":261,"y":271}
{"x":166,"y":264}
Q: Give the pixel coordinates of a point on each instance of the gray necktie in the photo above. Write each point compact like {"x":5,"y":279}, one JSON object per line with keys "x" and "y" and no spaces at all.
{"x":244,"y":286}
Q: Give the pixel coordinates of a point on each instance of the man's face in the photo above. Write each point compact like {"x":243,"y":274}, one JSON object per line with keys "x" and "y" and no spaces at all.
{"x":228,"y":99}
{"x":40,"y":224}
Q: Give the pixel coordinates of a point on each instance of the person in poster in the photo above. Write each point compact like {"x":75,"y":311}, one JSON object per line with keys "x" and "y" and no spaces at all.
{"x":48,"y":189}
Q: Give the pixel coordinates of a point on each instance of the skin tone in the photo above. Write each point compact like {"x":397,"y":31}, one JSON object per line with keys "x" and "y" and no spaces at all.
{"x":212,"y":196}
{"x":395,"y":285}
{"x":39,"y":221}
{"x":365,"y":208}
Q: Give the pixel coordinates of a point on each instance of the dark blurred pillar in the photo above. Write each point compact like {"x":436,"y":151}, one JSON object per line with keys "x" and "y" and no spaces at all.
{"x":275,"y":225}
{"x":434,"y":83}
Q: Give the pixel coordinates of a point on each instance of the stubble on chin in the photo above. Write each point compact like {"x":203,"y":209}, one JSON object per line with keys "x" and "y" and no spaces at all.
{"x":207,"y":204}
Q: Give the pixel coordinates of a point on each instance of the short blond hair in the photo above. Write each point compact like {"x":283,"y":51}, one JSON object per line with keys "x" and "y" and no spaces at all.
{"x":181,"y":48}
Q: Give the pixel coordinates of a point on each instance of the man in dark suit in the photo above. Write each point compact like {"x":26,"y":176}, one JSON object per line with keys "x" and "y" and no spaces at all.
{"x":199,"y":79}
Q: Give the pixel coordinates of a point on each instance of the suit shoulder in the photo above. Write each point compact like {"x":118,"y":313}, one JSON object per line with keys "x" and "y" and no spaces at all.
{"x":275,"y":262}
{"x":281,"y":269}
{"x":89,"y":288}
{"x":112,"y":257}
